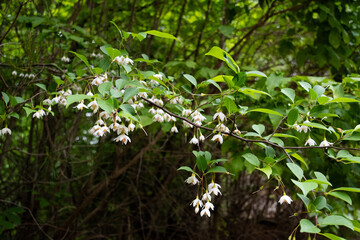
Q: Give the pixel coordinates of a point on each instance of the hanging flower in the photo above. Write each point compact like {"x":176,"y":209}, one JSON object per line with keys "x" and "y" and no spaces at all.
{"x":123,"y":139}
{"x":310,"y":142}
{"x":194,"y":141}
{"x":5,"y":131}
{"x":217,"y":138}
{"x":214,"y":188}
{"x":174,"y":129}
{"x":285,"y":199}
{"x":325,"y":143}
{"x":192,"y":180}
{"x":219,"y":116}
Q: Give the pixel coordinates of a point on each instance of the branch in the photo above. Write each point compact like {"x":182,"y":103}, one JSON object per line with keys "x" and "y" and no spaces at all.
{"x":241,"y":138}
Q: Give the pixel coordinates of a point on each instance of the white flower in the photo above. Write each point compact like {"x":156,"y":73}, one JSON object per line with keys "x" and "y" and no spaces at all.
{"x":31,"y":75}
{"x":142,"y":94}
{"x":167,"y":117}
{"x":104,"y":115}
{"x":123,"y":139}
{"x":158,"y":118}
{"x":5,"y":131}
{"x":186,"y":124}
{"x":186,"y":112}
{"x":173,"y":100}
{"x":56,"y":99}
{"x":197,"y":202}
{"x":94,"y":129}
{"x":214,"y":188}
{"x":310,"y":142}
{"x":94,"y":106}
{"x":81,"y":106}
{"x":65,"y":59}
{"x":104,"y":129}
{"x":205,"y":211}
{"x":152,"y":111}
{"x":100,"y":122}
{"x":131,"y":127}
{"x":325,"y":143}
{"x":123,"y":61}
{"x":93,"y":54}
{"x":21,"y":75}
{"x":14,"y":73}
{"x":206,"y":196}
{"x":63,"y":101}
{"x":209,"y":205}
{"x":159,"y":111}
{"x":285,"y":199}
{"x":202,"y":138}
{"x":39,"y":114}
{"x":158,"y":76}
{"x":192,"y":180}
{"x":220,"y":116}
{"x":217,"y":138}
{"x":122,"y":129}
{"x":174,"y":129}
{"x":159,"y":102}
{"x":47,"y":101}
{"x":194,"y":141}
{"x":90,"y":94}
{"x":114,"y":126}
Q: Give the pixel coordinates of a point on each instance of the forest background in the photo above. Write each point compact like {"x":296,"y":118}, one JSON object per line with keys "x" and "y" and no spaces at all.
{"x":57,"y":181}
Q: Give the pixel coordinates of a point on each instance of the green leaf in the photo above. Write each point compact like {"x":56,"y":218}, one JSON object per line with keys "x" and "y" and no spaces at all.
{"x":331,"y":236}
{"x":185,"y":168}
{"x":252,"y":159}
{"x":320,"y":202}
{"x":76,"y":98}
{"x":113,"y":52}
{"x":83,"y":58}
{"x":217,"y":169}
{"x":201,"y":163}
{"x":40,"y":85}
{"x":305,"y":200}
{"x":313,"y":95}
{"x":127,"y":108}
{"x":289,"y":92}
{"x":334,"y":37}
{"x":270,"y":152}
{"x":129,"y":93}
{"x":239,"y":79}
{"x":265,"y":110}
{"x":106,"y":105}
{"x":191,"y":79}
{"x":259,"y":128}
{"x":322,"y":178}
{"x":230,"y":105}
{"x":161,"y":34}
{"x":267,"y":170}
{"x":337,"y":220}
{"x":292,"y":116}
{"x":323,"y":99}
{"x":305,"y":85}
{"x":255,"y":74}
{"x":224,"y":56}
{"x":305,"y":187}
{"x":315,"y":125}
{"x":347,"y":189}
{"x":342,"y":196}
{"x":28,"y":111}
{"x":296,"y":170}
{"x":104,"y":88}
{"x":5,"y":97}
{"x":342,"y":100}
{"x":210,"y":81}
{"x":307,"y":226}
{"x":297,"y":156}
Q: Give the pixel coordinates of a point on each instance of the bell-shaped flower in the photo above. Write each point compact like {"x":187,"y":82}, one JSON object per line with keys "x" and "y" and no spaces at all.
{"x":214,"y":188}
{"x":217,"y":138}
{"x":123,"y":139}
{"x":194,"y":141}
{"x":285,"y":199}
{"x":325,"y":143}
{"x":310,"y":142}
{"x":192,"y":180}
{"x":219,"y":116}
{"x":5,"y":131}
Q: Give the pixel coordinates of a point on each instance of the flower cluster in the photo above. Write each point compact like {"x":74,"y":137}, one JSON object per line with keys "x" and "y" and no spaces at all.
{"x":205,"y":202}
